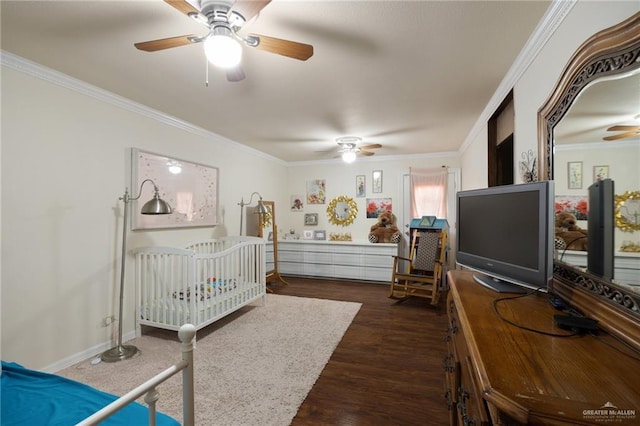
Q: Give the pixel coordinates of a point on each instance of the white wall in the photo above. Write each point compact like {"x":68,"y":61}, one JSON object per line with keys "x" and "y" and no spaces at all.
{"x":536,"y":83}
{"x":64,"y":166}
{"x":341,"y":180}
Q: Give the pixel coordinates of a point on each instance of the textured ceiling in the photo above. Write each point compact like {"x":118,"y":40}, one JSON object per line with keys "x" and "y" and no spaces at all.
{"x":413,"y":76}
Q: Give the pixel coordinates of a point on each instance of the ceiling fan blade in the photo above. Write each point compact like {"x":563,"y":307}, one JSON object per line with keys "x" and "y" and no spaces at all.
{"x":622,"y":136}
{"x":622,"y":128}
{"x":182,"y":6}
{"x":249,"y":8}
{"x":167,"y":43}
{"x":371,"y":146}
{"x":366,"y":153}
{"x":291,"y":49}
{"x":235,"y":74}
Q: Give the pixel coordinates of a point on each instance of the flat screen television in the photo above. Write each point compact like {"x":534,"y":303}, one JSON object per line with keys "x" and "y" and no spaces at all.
{"x":505,"y":235}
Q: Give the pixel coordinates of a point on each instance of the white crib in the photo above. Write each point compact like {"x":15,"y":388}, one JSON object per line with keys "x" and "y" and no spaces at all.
{"x":200,"y":283}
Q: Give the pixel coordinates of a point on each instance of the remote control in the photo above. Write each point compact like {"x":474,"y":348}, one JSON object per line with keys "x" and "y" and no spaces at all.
{"x":575,"y":323}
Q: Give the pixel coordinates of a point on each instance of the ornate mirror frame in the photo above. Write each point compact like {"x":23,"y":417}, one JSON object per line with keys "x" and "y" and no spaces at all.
{"x":350,"y":215}
{"x":615,"y":50}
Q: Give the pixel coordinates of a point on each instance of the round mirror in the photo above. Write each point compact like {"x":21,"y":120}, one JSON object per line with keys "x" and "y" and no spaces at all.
{"x":628,"y":211}
{"x":342,"y":211}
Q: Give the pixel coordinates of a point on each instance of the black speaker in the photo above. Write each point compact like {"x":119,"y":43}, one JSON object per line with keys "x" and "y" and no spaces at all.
{"x":600,"y":226}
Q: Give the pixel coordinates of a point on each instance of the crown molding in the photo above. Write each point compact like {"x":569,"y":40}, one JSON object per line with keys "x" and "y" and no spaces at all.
{"x":554,"y":16}
{"x":49,"y":75}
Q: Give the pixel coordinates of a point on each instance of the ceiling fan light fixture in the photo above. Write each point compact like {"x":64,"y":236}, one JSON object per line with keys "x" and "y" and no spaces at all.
{"x":349,"y":156}
{"x":221,"y":49}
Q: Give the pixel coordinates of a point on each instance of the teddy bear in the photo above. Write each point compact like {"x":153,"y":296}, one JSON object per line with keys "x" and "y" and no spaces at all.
{"x":385,"y":229}
{"x":568,"y":235}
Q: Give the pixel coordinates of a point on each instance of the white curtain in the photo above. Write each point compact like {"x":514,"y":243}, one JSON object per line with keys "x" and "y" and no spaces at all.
{"x":429,"y":192}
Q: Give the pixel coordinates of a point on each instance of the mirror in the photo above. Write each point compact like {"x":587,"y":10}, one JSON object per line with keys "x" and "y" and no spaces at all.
{"x":599,"y":88}
{"x":342,"y":211}
{"x":268,"y":229}
{"x":627,"y":211}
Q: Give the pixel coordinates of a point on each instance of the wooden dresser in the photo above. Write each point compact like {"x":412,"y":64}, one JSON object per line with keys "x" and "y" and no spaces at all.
{"x":498,"y":373}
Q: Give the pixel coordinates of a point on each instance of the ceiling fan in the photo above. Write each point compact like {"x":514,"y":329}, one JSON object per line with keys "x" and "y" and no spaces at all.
{"x":223,"y":43}
{"x":627,"y":132}
{"x":349,"y":148}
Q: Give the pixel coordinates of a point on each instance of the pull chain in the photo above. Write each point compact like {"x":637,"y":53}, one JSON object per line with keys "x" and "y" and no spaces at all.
{"x":206,"y":72}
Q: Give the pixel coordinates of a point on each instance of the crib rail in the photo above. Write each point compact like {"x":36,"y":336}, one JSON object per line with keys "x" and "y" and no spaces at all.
{"x":187,"y":335}
{"x":200,"y":283}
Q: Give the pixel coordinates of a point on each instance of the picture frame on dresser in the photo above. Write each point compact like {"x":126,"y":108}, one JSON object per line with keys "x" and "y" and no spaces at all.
{"x":320,"y":235}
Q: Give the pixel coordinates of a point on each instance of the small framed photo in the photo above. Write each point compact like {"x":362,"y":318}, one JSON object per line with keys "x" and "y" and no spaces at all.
{"x":307,"y":234}
{"x":310,"y":219}
{"x":600,"y":173}
{"x":270,"y":237}
{"x":297,"y":203}
{"x":574,"y":174}
{"x":361,"y":186}
{"x":319,"y":235}
{"x":376,"y":181}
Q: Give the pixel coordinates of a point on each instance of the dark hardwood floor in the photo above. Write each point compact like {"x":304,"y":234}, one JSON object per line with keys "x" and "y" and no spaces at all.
{"x":387,"y":370}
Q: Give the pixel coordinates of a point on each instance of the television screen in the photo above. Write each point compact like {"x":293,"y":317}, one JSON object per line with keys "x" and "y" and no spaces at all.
{"x":505,"y":234}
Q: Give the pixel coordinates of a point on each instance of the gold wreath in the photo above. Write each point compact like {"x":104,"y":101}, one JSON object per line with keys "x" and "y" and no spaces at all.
{"x":266,"y":219}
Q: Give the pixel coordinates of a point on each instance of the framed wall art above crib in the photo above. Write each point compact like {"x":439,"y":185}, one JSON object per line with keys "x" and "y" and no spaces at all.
{"x":190,"y":188}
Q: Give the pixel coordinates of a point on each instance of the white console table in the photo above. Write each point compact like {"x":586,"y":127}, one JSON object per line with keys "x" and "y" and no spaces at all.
{"x":354,"y":260}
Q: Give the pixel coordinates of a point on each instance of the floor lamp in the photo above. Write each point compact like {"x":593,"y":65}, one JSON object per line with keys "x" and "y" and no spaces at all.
{"x":260,"y":208}
{"x":154,"y":206}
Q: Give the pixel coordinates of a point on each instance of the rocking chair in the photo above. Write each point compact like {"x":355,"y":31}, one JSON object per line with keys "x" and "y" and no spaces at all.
{"x":423,"y":276}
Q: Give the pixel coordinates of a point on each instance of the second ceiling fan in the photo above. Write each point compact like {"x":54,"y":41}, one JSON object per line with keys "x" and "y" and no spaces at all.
{"x":222,"y":44}
{"x":349,"y":148}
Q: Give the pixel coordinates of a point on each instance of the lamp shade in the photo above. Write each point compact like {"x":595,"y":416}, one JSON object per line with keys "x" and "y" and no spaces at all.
{"x":260,"y":208}
{"x":156,"y":206}
{"x":221,"y":49}
{"x":349,"y":156}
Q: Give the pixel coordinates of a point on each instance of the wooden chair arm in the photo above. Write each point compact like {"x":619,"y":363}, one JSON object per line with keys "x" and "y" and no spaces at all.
{"x":401,"y":258}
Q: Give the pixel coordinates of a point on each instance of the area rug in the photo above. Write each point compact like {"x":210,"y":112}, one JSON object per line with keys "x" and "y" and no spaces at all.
{"x":254,"y":367}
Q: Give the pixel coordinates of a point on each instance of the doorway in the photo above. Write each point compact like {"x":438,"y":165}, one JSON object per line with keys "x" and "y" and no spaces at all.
{"x":500,"y":162}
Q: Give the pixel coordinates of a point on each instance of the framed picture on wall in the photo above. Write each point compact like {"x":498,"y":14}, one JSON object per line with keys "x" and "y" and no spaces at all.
{"x":297,"y":203}
{"x":316,"y":191}
{"x":376,"y":181}
{"x":600,"y":173}
{"x":574,"y":174}
{"x":191,"y":189}
{"x":310,"y":219}
{"x":361,"y":186}
{"x":375,"y":206}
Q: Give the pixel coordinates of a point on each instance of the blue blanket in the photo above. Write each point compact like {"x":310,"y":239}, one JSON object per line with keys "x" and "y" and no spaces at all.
{"x":34,"y":398}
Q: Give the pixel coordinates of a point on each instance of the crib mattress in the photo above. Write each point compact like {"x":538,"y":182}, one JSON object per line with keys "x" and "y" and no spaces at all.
{"x":211,"y":303}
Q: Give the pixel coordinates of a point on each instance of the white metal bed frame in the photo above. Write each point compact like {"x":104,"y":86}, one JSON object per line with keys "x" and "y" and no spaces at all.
{"x":187,"y":334}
